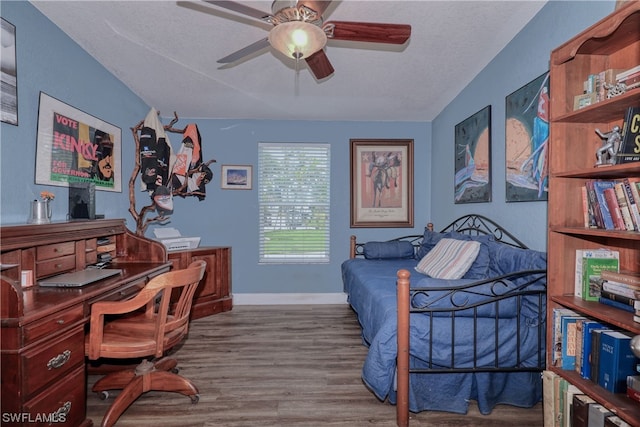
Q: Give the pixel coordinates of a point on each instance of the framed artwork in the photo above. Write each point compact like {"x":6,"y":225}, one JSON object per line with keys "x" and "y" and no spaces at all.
{"x":381,"y":183}
{"x":472,"y":182}
{"x":236,"y":177}
{"x":526,"y":138}
{"x":76,"y":147}
{"x":8,"y":74}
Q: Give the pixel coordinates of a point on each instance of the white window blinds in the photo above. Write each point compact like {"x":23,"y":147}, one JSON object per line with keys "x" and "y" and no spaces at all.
{"x":293,"y":186}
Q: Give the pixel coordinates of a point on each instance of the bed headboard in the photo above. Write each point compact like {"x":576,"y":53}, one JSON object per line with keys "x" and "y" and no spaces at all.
{"x":471,"y":224}
{"x":477,"y":225}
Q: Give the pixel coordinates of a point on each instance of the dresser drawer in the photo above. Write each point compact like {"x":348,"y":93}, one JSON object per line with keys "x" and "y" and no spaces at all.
{"x":53,"y":324}
{"x":52,"y":360}
{"x":55,"y":266}
{"x":63,"y":404}
{"x":54,"y":251}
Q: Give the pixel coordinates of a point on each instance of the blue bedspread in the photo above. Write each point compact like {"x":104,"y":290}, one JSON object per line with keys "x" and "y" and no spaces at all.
{"x":371,"y":289}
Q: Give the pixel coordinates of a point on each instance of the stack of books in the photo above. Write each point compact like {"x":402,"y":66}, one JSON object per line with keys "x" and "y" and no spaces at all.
{"x":612,"y":204}
{"x":588,"y":268}
{"x":621,"y":289}
{"x":630,"y":78}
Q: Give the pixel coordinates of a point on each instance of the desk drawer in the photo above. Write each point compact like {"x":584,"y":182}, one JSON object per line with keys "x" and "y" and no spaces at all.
{"x":53,"y":324}
{"x":54,"y":251}
{"x":55,"y":266}
{"x":52,"y":360}
{"x":124,"y":292}
{"x":63,"y":404}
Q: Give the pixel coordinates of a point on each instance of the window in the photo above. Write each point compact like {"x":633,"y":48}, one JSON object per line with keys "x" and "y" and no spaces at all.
{"x":293,"y":191}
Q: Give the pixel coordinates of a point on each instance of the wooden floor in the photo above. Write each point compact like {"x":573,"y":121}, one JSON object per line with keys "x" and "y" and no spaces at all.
{"x":290,"y":365}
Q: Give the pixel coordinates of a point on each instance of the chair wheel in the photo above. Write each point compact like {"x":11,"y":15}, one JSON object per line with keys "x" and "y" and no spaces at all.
{"x":175,"y":370}
{"x":195,"y":398}
{"x":103,"y":395}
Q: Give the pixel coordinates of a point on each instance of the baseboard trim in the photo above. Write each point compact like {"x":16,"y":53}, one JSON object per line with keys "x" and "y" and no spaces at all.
{"x":286,"y":299}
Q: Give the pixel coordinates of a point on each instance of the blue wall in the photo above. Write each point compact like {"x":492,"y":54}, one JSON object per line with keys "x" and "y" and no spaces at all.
{"x":49,"y":61}
{"x":525,"y":58}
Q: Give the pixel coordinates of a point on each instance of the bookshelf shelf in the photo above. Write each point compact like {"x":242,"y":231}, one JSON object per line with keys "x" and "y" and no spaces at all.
{"x":585,"y":232}
{"x":595,"y":310}
{"x":620,"y":401}
{"x":612,"y":43}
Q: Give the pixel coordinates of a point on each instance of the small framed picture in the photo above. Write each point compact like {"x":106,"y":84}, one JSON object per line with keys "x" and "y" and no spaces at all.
{"x":236,"y":177}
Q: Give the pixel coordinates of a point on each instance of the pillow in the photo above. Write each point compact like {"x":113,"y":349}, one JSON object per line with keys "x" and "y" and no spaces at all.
{"x":388,"y":250}
{"x":431,"y":238}
{"x":449,"y":259}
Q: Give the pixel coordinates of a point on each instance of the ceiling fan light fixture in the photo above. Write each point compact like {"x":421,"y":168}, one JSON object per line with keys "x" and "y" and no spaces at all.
{"x":297,"y":39}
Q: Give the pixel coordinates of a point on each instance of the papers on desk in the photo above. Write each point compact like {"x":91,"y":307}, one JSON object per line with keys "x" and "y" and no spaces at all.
{"x":174,"y":241}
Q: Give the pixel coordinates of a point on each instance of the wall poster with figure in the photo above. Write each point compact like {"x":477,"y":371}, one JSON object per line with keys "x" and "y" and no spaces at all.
{"x":472,"y":182}
{"x":526,"y":137}
{"x":75,"y":147}
{"x":381,"y":183}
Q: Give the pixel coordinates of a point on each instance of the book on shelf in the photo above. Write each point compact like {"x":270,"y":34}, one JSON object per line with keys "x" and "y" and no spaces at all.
{"x":622,"y":289}
{"x":633,"y":394}
{"x":615,"y":304}
{"x":599,"y":186}
{"x":614,"y":208}
{"x":629,"y":150}
{"x":587,"y":346}
{"x":597,"y":414}
{"x":633,"y":199}
{"x":617,"y":361}
{"x":580,"y":413}
{"x":558,"y":313}
{"x":633,"y":381}
{"x":622,"y":75}
{"x":581,"y":255}
{"x":622,"y":276}
{"x":594,"y":362}
{"x":623,"y":204}
{"x":567,"y":410}
{"x":548,"y":398}
{"x":569,"y":342}
{"x":589,"y":217}
{"x":592,"y":268}
{"x":619,"y":298}
{"x":593,"y":203}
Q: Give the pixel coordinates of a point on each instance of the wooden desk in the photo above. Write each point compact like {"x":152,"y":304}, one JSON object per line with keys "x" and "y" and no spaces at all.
{"x":42,"y":329}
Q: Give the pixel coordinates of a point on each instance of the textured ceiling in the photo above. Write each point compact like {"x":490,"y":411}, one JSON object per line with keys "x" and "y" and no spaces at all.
{"x":166,"y":53}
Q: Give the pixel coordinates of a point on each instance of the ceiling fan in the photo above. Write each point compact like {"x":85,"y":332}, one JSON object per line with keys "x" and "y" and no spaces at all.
{"x":300,"y":33}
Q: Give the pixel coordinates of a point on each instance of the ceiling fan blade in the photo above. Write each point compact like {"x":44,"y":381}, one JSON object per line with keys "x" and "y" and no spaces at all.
{"x":316,"y":5}
{"x":367,"y":32}
{"x":240,"y":8}
{"x":319,"y":65}
{"x":245,"y":51}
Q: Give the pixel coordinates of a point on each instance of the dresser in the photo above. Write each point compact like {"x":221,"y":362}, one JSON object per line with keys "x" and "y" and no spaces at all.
{"x":214,"y":292}
{"x":42,"y":329}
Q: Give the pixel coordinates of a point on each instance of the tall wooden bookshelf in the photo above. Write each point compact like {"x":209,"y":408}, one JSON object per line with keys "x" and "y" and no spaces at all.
{"x":612,"y":43}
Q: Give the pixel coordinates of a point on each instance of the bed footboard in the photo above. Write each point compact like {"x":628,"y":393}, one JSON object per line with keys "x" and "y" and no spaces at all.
{"x":470,"y":299}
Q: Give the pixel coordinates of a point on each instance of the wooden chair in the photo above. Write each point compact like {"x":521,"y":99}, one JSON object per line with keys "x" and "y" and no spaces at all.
{"x":145,"y":326}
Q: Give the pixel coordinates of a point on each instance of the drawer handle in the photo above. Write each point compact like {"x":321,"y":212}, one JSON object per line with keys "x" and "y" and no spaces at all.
{"x":59,"y":360}
{"x":60,"y":321}
{"x":58,"y":265}
{"x":62,"y":412}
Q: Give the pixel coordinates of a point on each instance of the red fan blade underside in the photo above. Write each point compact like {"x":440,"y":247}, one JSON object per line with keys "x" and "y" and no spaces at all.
{"x":317,"y":5}
{"x":240,"y":8}
{"x":245,"y":51}
{"x":369,"y":32}
{"x":319,"y":65}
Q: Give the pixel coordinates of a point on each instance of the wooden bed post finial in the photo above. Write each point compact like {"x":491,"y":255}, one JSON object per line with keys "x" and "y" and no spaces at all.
{"x":352,"y":246}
